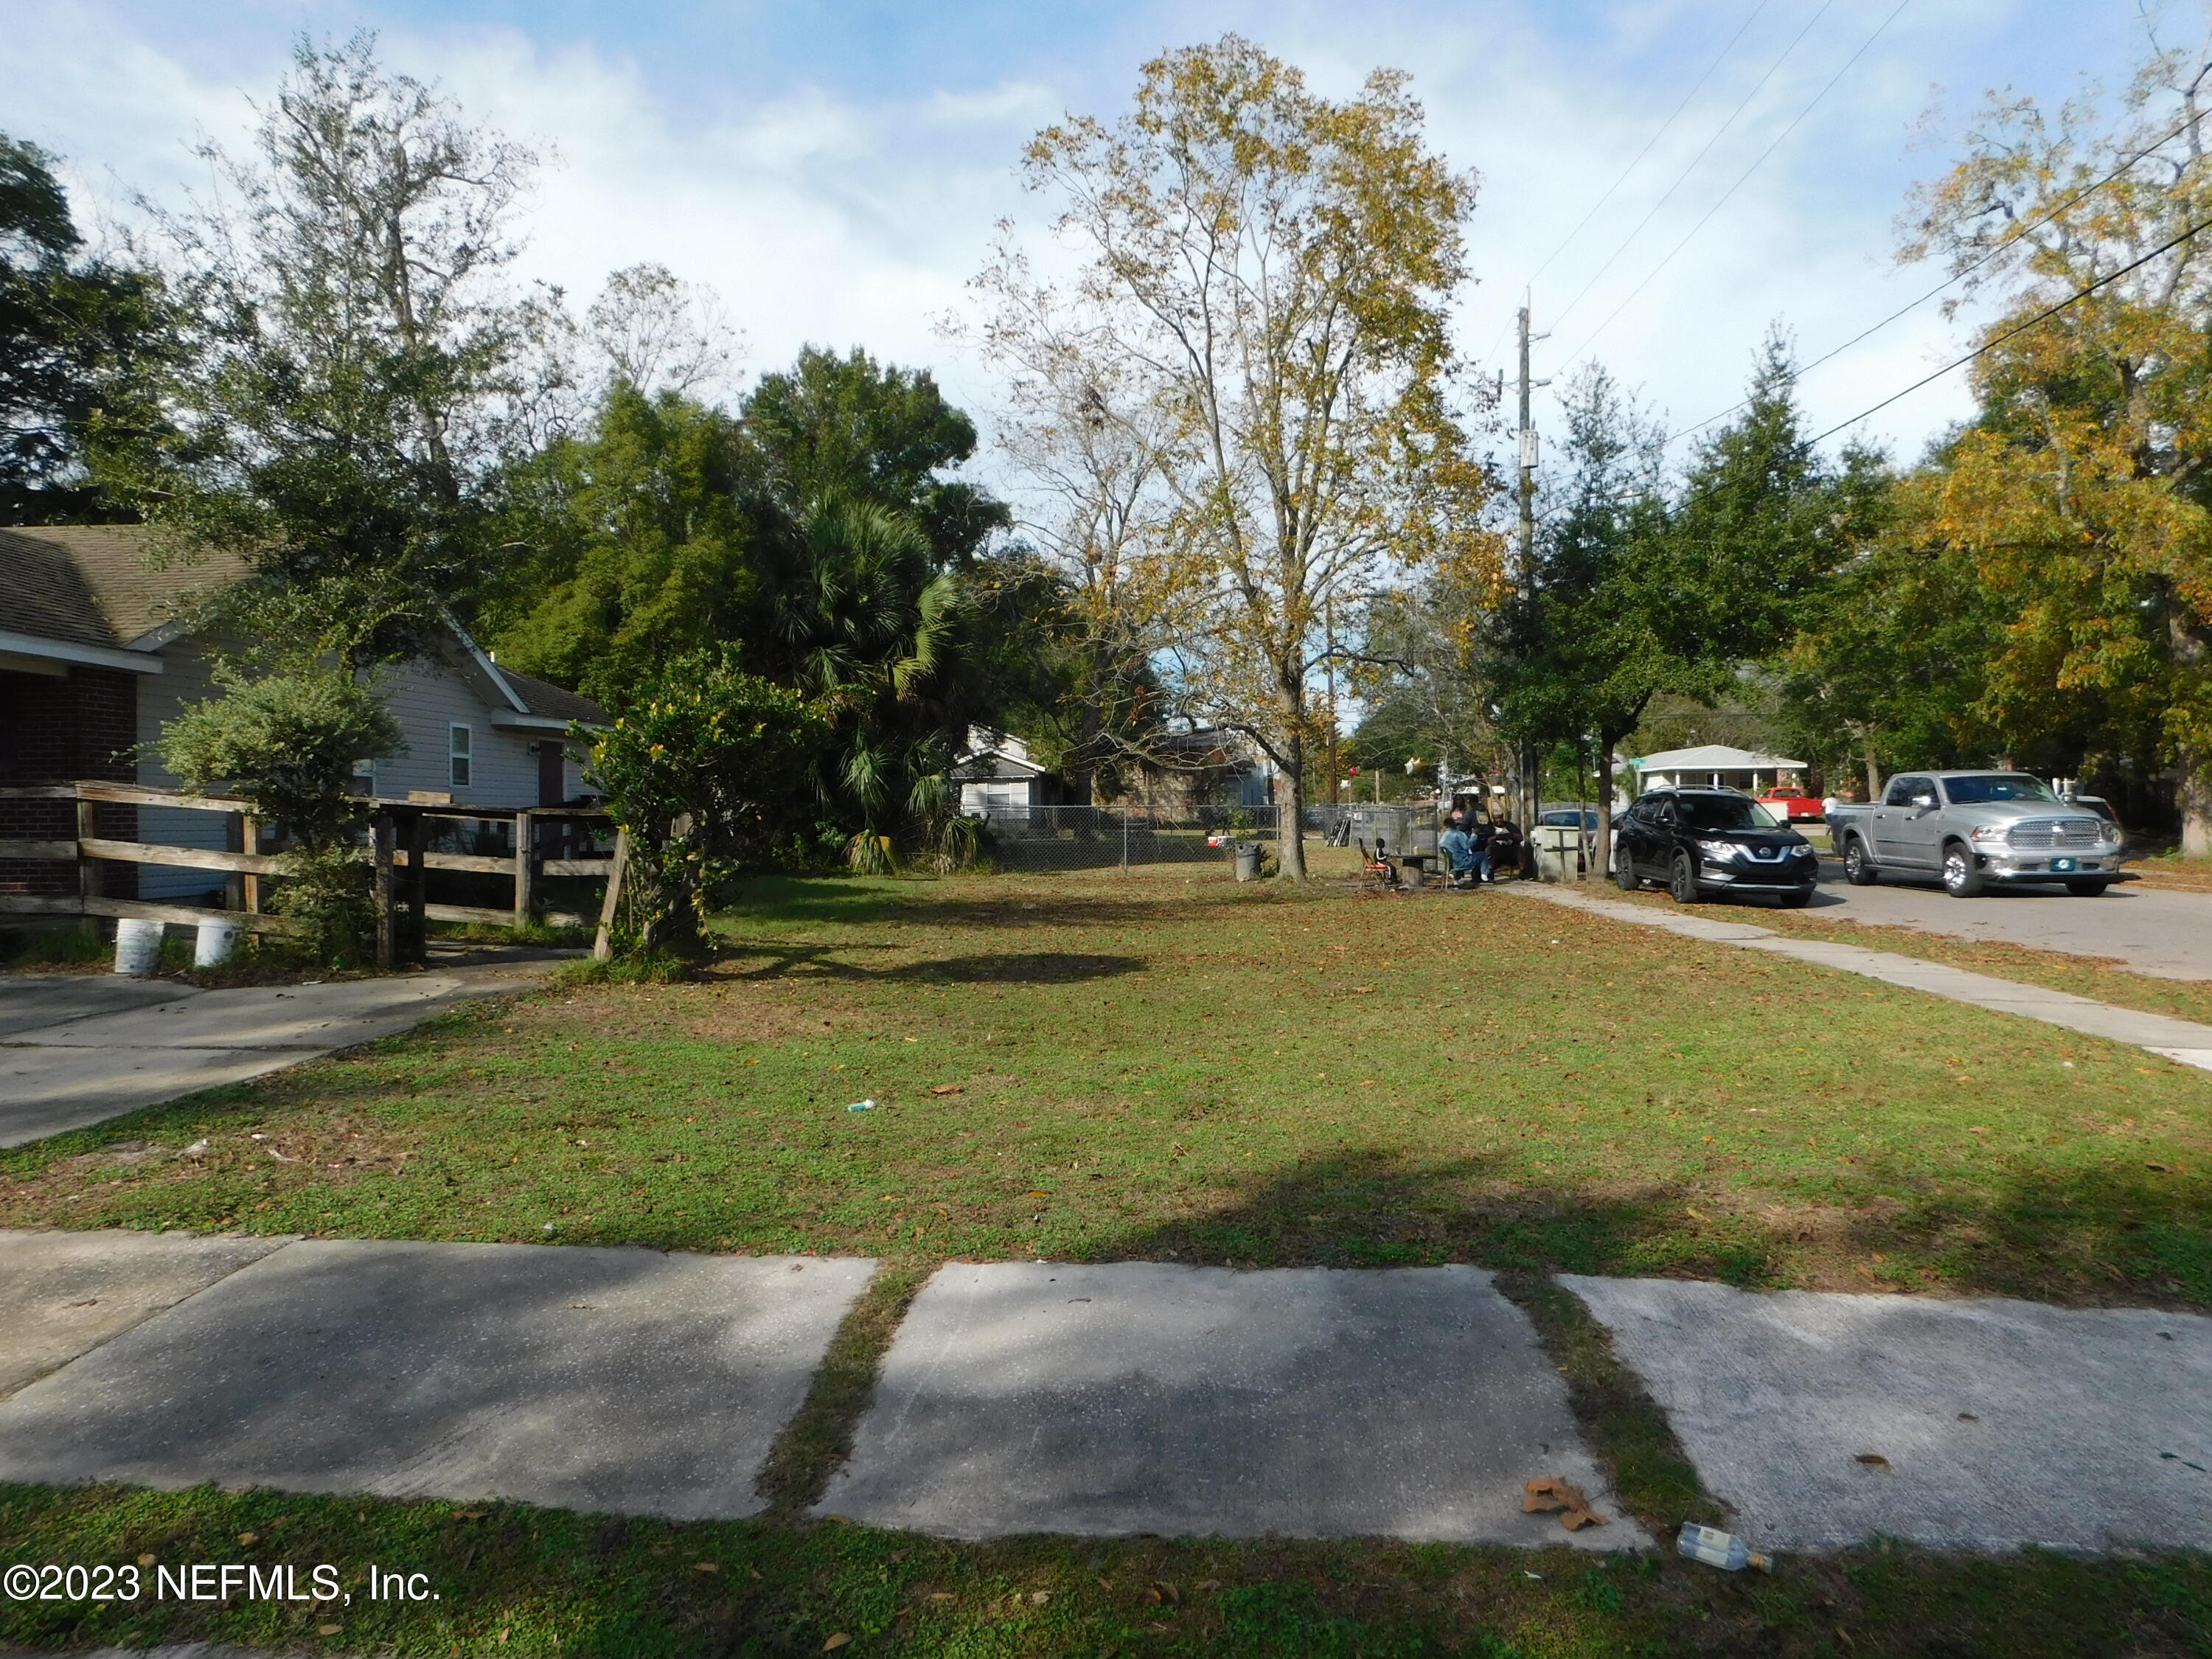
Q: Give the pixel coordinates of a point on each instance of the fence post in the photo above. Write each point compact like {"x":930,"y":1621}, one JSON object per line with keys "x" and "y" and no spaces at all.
{"x":249,"y":841}
{"x":603,"y":942}
{"x":1125,"y":840}
{"x":88,"y":868}
{"x":418,"y":887}
{"x":526,"y":898}
{"x":380,"y":840}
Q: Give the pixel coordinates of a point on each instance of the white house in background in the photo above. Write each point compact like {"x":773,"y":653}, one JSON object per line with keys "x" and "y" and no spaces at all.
{"x":997,"y":774}
{"x":90,"y":638}
{"x":1713,"y":765}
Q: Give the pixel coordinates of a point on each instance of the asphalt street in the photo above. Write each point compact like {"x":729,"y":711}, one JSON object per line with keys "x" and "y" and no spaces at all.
{"x":2157,"y":932}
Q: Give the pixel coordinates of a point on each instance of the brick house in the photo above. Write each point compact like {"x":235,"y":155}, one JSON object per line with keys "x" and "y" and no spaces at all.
{"x":96,"y":656}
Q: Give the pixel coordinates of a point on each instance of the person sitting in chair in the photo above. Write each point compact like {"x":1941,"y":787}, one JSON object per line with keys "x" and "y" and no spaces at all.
{"x":1459,"y":846}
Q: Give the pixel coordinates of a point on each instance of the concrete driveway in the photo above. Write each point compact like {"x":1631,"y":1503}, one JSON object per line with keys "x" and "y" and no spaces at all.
{"x":2151,"y":931}
{"x":77,"y":1048}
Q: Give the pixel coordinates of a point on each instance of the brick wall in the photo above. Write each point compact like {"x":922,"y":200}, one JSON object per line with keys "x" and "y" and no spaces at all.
{"x":56,"y":729}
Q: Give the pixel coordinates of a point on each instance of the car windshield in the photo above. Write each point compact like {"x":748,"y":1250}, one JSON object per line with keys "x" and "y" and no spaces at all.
{"x":1724,"y":813}
{"x":1996,"y":786}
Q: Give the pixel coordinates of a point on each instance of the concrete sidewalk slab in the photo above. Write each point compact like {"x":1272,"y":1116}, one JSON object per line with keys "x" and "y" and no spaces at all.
{"x":30,"y":1002}
{"x":66,"y":1293}
{"x":2003,"y":1424}
{"x":1149,"y":1398}
{"x":2180,"y":1040}
{"x":618,"y":1380}
{"x":44,"y":1091}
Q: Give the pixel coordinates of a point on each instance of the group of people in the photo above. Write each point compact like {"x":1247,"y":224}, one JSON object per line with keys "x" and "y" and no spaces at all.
{"x":1477,"y":848}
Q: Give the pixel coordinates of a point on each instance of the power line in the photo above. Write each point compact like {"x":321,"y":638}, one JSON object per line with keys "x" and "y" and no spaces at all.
{"x":1756,"y":163}
{"x":2019,"y":328}
{"x":1664,"y":126}
{"x":1965,"y":269}
{"x":1720,"y":57}
{"x":1682,"y":178}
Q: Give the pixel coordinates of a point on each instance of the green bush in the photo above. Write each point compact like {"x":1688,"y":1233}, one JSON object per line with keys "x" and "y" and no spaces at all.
{"x":708,"y":774}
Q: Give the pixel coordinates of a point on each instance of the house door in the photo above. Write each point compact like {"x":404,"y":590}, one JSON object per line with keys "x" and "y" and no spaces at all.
{"x":552,"y":784}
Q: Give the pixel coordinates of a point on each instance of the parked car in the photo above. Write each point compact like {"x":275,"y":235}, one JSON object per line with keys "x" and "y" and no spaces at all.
{"x":1790,"y":806}
{"x":1568,"y":818}
{"x":1976,"y":830}
{"x":1703,"y":842}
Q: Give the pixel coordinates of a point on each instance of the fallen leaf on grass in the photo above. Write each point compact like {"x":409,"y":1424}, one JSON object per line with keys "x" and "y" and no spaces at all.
{"x":1550,"y":1492}
{"x":248,"y":1538}
{"x":942,"y":1595}
{"x":1872,"y":1460}
{"x":468,"y":1515}
{"x":706,"y":1567}
{"x":1038,"y":1598}
{"x":148,"y":1559}
{"x":836,"y":1642}
{"x":1365,"y":990}
{"x":328,"y":1630}
{"x":946,"y":1089}
{"x":2167,"y":1169}
{"x":1207,"y":1584}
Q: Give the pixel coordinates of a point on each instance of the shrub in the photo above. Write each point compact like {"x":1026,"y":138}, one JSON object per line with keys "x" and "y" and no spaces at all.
{"x":707,"y":773}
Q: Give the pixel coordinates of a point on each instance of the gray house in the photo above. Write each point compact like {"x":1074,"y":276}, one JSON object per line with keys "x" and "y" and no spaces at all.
{"x":96,"y":656}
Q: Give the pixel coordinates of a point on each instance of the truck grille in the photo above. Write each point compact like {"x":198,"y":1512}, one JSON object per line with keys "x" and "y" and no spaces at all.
{"x":2043,"y":834}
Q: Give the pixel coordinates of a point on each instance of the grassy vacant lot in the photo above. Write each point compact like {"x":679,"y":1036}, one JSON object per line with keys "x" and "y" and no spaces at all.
{"x":1166,"y":1066}
{"x":1158,"y":1066}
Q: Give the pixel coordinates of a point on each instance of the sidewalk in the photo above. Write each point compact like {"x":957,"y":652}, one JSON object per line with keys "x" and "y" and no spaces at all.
{"x":2180,"y":1040}
{"x":1133,"y":1398}
{"x":77,"y":1048}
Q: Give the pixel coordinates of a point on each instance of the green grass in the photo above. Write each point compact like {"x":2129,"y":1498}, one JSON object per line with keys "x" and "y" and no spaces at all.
{"x":510,"y":1579}
{"x":1166,"y":1066}
{"x":1157,"y":1067}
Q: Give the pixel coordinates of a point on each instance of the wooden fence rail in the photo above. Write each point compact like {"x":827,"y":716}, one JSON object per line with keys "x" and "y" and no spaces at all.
{"x":398,"y":852}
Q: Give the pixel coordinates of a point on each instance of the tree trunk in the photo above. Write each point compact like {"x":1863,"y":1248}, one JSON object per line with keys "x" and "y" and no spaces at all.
{"x":1606,"y":740}
{"x":1872,"y":774}
{"x":2194,"y":796}
{"x":1291,"y":814}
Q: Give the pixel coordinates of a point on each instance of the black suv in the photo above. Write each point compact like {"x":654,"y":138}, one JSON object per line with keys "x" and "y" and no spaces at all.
{"x":1701,"y":842}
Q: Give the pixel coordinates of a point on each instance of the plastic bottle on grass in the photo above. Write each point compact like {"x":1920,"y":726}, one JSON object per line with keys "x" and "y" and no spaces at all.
{"x":1719,"y":1549}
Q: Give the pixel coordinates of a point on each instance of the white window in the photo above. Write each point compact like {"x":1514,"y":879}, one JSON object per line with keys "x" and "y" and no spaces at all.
{"x":456,"y":754}
{"x":364,"y":776}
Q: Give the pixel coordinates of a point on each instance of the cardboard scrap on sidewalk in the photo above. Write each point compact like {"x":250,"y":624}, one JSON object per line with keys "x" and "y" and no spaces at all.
{"x":1542,"y":1496}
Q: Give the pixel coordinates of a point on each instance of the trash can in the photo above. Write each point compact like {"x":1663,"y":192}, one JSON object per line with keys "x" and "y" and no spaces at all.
{"x":1247,"y":860}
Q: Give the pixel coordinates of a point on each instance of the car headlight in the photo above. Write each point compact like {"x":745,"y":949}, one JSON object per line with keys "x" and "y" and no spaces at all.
{"x":1723,"y":850}
{"x":1991,"y":832}
{"x":2110,"y":832}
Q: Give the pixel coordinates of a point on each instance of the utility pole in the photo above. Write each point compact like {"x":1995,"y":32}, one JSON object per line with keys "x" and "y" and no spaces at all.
{"x":1525,"y":576}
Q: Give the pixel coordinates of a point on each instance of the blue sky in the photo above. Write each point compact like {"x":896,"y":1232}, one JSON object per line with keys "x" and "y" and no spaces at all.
{"x":834,"y":171}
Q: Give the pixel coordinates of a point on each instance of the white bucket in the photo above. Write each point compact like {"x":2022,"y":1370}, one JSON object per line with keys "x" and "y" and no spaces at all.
{"x":137,"y":947}
{"x":214,"y":944}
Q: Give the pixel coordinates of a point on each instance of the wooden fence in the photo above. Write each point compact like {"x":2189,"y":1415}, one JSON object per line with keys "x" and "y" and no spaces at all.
{"x":397,"y":850}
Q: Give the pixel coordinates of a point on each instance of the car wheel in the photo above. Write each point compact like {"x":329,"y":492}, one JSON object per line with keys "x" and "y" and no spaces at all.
{"x":1961,"y":879}
{"x":1798,"y":901}
{"x":1682,"y":883}
{"x":1859,"y":869}
{"x":2087,"y":889}
{"x":1624,"y":870}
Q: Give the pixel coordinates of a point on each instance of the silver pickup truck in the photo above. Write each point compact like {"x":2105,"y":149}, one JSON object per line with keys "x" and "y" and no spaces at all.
{"x":1976,"y":830}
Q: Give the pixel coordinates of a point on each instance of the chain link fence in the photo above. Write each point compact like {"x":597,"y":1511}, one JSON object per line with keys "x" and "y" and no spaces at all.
{"x":1118,"y":837}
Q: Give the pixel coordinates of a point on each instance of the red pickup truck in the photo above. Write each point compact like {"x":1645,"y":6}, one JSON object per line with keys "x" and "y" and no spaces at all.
{"x":1791,"y":808}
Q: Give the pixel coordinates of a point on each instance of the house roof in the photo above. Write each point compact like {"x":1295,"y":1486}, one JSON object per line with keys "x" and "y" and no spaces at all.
{"x":1712,"y":757}
{"x":101,"y":584}
{"x":552,"y":703}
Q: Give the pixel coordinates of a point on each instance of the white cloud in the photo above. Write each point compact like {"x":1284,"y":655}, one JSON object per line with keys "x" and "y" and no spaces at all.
{"x":823,"y":215}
